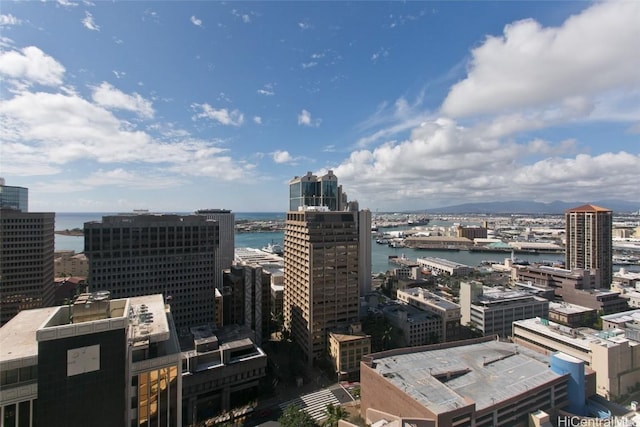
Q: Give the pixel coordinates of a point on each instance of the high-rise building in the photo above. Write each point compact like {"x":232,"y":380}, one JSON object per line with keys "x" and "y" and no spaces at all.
{"x":14,"y":197}
{"x":133,"y":255}
{"x":26,"y":261}
{"x":226,"y":232}
{"x":588,"y":231}
{"x":327,"y":261}
{"x":311,"y":190}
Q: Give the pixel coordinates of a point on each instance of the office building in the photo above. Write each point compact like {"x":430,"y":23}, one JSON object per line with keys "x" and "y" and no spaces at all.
{"x":471,"y":232}
{"x":16,"y":198}
{"x":588,"y":231}
{"x":226,"y":237}
{"x":417,"y":327}
{"x":69,"y":263}
{"x":221,"y":370}
{"x":611,"y":354}
{"x":444,"y":266}
{"x":493,"y":310}
{"x":481,"y":382}
{"x":320,"y":277}
{"x":448,"y":311}
{"x":346,"y":350}
{"x":98,"y":362}
{"x":132,"y":255}
{"x":312,"y":190}
{"x":26,"y":261}
{"x":327,"y":250}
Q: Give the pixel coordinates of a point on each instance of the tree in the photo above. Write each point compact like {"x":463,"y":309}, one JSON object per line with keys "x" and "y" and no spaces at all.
{"x":296,"y":417}
{"x":334,"y":415}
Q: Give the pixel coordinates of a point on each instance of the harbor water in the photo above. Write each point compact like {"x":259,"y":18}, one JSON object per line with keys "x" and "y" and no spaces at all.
{"x":379,"y":257}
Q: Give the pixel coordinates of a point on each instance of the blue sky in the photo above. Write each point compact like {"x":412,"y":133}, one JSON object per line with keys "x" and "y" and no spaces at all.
{"x":176,"y":106}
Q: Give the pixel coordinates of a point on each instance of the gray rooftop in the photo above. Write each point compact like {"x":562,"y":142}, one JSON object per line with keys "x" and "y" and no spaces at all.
{"x":18,"y":342}
{"x":485,"y":373}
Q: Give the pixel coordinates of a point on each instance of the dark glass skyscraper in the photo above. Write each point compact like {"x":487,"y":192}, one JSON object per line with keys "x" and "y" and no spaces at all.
{"x":311,"y":190}
{"x":14,"y":197}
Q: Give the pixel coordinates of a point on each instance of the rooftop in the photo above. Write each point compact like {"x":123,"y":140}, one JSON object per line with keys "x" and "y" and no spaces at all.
{"x":444,"y":379}
{"x":588,"y":208}
{"x":431,"y":298}
{"x":18,"y":342}
{"x":566,"y":308}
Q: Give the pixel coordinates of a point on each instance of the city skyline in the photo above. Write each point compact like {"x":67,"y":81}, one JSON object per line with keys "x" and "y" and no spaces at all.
{"x":414,"y":105}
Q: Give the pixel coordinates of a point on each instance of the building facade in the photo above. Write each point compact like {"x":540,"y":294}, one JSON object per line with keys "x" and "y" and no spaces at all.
{"x":132,"y":255}
{"x":226,"y":238}
{"x":98,"y":362}
{"x":312,"y":190}
{"x":16,"y":198}
{"x":481,"y":382}
{"x":448,"y":311}
{"x":588,"y":231}
{"x":26,"y":261}
{"x":493,"y":310}
{"x":321,"y":285}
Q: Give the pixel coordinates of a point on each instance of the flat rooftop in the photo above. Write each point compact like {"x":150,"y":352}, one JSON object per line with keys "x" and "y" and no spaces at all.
{"x":258,"y":256}
{"x":431,"y":298}
{"x":443,"y":262}
{"x":577,"y":337}
{"x":485,"y":373}
{"x":148,"y":318}
{"x":566,"y":308}
{"x":18,"y":343}
{"x":623,"y":317}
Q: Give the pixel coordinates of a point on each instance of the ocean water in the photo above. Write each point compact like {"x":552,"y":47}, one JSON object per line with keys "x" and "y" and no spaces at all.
{"x":379,"y":256}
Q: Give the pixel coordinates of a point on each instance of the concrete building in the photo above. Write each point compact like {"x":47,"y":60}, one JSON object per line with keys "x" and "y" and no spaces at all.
{"x":99,"y":361}
{"x":346,"y":351}
{"x":26,"y":261}
{"x":572,"y":315}
{"x":471,"y":232}
{"x":132,"y":255}
{"x":327,"y":253}
{"x":493,"y":310}
{"x":444,"y":266}
{"x":480,"y":383}
{"x":417,"y":327}
{"x":69,"y":263}
{"x":321,"y":285}
{"x":588,"y":231}
{"x":448,"y":311}
{"x":220,"y":370}
{"x":11,"y":197}
{"x":226,"y":238}
{"x":576,"y":286}
{"x":614,"y":358}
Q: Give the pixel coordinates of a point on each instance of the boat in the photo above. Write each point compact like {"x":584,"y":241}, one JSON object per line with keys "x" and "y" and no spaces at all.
{"x":273,"y":248}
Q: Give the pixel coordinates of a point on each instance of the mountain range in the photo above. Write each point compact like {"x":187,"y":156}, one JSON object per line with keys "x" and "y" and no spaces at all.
{"x":529,"y":207}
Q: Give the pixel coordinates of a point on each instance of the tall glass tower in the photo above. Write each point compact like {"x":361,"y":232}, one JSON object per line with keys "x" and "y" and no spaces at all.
{"x":16,"y":198}
{"x":311,"y":190}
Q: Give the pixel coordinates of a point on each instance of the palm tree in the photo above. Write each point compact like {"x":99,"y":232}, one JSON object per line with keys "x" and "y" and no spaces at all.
{"x":334,"y":415}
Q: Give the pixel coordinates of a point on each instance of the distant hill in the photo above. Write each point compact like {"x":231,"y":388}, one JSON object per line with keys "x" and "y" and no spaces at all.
{"x":529,"y":207}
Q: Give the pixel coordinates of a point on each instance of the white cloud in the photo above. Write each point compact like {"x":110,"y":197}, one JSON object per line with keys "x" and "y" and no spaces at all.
{"x":281,"y":156}
{"x":31,"y":65}
{"x":223,"y":116}
{"x":306,"y":65}
{"x":267,"y":90}
{"x":8,"y":20}
{"x":304,"y":118}
{"x":246,"y":19}
{"x":532,"y":65}
{"x":257,"y":120}
{"x":108,"y":96}
{"x":42,"y":131}
{"x":445,"y":163}
{"x":195,"y":21}
{"x":67,"y":3}
{"x":89,"y":23}
{"x":304,"y":25}
{"x":379,"y":54}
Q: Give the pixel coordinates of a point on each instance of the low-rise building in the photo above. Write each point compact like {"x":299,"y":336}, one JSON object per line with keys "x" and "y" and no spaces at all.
{"x":417,"y":327}
{"x":448,"y":311}
{"x":346,"y":351}
{"x":572,"y":315}
{"x":493,"y":310}
{"x":444,"y":266}
{"x":481,"y":382}
{"x":222,"y":369}
{"x":614,"y":357}
{"x":68,"y":263}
